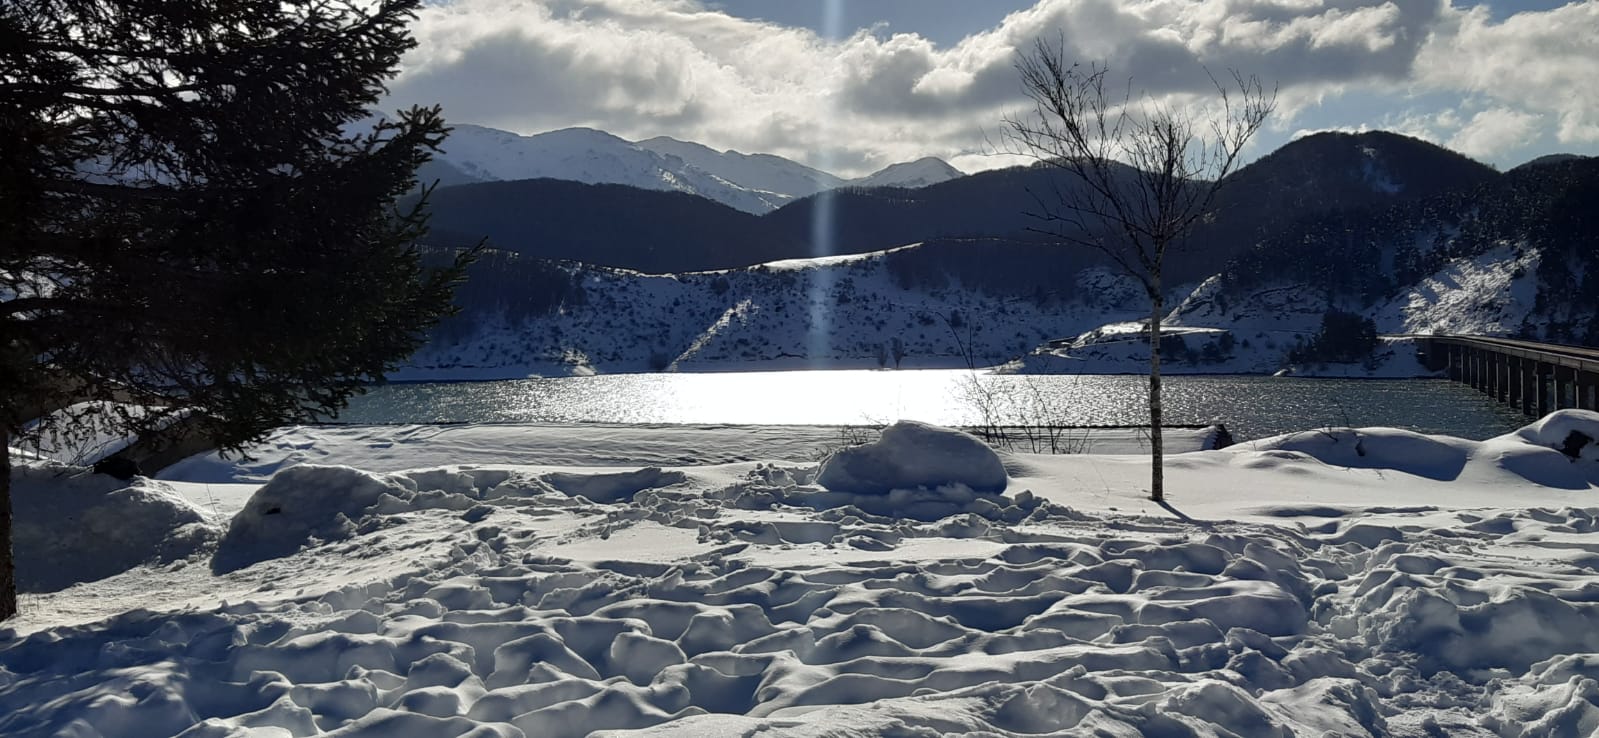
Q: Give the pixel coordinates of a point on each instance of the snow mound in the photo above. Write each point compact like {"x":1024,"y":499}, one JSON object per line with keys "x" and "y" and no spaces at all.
{"x":72,"y":525}
{"x":911,"y":455}
{"x":300,"y":505}
{"x":1557,"y":451}
{"x":310,"y":505}
{"x":1434,"y":457}
{"x":1574,"y":433}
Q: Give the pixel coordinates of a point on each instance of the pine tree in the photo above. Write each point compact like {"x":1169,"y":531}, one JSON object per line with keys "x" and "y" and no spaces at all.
{"x":185,"y":224}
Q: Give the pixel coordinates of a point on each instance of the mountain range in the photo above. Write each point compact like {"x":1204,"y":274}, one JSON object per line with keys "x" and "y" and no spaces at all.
{"x":1406,"y":233}
{"x":675,"y":232}
{"x":753,"y":183}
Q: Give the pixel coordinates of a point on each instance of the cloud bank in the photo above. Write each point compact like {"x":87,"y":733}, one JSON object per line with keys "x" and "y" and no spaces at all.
{"x":1497,"y":89}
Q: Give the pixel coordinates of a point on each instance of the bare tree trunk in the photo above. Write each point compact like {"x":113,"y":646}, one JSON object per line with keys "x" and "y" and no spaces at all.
{"x":8,"y":569}
{"x":1157,"y":477}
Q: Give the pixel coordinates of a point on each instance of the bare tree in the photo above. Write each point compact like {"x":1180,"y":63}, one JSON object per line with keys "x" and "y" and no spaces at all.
{"x":1143,"y":173}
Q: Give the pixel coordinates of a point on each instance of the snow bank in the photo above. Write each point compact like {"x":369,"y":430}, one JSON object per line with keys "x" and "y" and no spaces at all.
{"x":916,"y":471}
{"x":1575,"y":433}
{"x":302,"y":505}
{"x":1491,"y":294}
{"x":909,"y":455}
{"x":1555,"y":452}
{"x":389,"y":448}
{"x":72,"y":525}
{"x":1434,"y":457}
{"x":310,"y":505}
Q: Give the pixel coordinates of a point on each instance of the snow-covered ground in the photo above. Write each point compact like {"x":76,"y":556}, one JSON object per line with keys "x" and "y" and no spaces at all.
{"x":1332,"y":582}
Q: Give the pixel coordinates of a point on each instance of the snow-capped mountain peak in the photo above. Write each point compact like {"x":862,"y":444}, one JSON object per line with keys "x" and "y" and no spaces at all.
{"x":754,"y":183}
{"x":925,"y":171}
{"x":762,"y":172}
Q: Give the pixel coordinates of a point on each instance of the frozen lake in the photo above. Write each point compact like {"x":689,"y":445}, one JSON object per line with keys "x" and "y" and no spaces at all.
{"x":1250,"y":406}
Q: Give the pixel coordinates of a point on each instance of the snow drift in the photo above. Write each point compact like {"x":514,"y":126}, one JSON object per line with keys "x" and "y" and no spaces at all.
{"x":909,"y":455}
{"x":725,"y":600}
{"x":74,"y":526}
{"x":1557,"y":451}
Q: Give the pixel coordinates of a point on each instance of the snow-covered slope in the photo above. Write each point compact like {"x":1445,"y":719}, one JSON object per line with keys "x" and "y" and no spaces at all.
{"x":595,"y":157}
{"x":832,"y":312}
{"x":754,"y":183}
{"x":764,"y":172}
{"x":851,"y":311}
{"x":1491,"y":294}
{"x":1339,"y":582}
{"x":912,"y":174}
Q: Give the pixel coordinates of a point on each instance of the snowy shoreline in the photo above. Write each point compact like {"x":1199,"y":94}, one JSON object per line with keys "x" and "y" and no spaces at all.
{"x":412,"y":583}
{"x":554,"y":371}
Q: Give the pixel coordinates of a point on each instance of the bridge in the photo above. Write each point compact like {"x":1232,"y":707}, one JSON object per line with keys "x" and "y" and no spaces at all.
{"x":1537,"y":378}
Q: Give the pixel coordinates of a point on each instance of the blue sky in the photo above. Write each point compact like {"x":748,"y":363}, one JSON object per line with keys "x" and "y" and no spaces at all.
{"x":944,"y":22}
{"x":855,"y":85}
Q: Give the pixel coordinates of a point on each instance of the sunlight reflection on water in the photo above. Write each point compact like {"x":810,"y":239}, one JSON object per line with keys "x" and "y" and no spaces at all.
{"x":1251,"y":406}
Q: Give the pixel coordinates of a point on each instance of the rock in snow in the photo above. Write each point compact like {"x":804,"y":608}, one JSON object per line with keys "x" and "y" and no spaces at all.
{"x":911,"y":455}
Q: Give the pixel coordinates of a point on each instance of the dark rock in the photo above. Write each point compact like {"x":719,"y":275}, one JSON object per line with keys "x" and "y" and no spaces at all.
{"x":118,"y":467}
{"x":1574,"y":443}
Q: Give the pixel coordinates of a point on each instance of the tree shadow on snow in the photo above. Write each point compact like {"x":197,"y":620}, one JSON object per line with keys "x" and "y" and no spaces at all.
{"x":1179,"y":514}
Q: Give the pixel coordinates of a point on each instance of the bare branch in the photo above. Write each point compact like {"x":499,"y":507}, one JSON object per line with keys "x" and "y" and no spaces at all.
{"x":1132,"y":212}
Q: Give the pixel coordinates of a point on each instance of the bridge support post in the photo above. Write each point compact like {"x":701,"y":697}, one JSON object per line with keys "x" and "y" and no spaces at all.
{"x":1484,"y":373}
{"x":1528,"y":385}
{"x":1507,"y":381}
{"x":1563,"y":387}
{"x":1456,"y":371}
{"x":1502,"y":378}
{"x":1479,"y":377}
{"x":1479,"y":373}
{"x":1490,"y":365}
{"x":1512,"y":381}
{"x":1587,"y":390}
{"x":1512,"y":390}
{"x":1544,"y":372}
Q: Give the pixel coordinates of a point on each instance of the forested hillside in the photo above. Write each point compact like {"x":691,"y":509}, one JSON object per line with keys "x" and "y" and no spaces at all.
{"x":1371,"y":229}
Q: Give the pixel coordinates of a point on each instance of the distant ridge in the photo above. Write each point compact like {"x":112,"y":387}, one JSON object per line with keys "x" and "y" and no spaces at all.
{"x":1316,"y":176}
{"x":928,"y":170}
{"x":753,"y":183}
{"x":1548,"y":159}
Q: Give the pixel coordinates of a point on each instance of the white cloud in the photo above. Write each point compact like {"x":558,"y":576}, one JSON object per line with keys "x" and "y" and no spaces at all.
{"x":1546,"y":62}
{"x":1493,"y":132}
{"x":641,"y":68}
